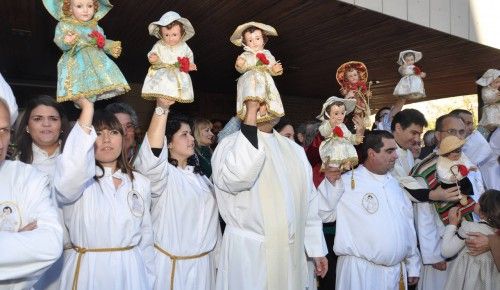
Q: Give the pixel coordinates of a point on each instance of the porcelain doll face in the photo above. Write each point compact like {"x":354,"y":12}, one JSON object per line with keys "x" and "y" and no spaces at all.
{"x":44,"y":125}
{"x":496,"y":83}
{"x":352,"y":76}
{"x":454,"y":155}
{"x":409,"y":59}
{"x":108,"y":147}
{"x":171,"y":36}
{"x":337,"y":115}
{"x":82,"y":10}
{"x":254,"y":40}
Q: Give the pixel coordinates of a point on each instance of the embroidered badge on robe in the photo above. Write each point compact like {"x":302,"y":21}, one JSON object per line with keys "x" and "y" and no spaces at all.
{"x":370,"y":203}
{"x":10,"y":218}
{"x":135,"y":203}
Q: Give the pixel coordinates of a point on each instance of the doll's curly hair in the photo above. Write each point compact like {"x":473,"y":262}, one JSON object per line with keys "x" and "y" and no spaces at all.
{"x":251,"y":29}
{"x":67,"y":5}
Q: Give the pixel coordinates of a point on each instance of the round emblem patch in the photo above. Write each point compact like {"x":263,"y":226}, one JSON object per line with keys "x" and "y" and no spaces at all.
{"x":135,"y":203}
{"x":10,"y":217}
{"x":370,"y":203}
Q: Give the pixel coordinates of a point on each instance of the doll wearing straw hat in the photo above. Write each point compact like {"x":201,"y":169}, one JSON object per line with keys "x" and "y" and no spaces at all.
{"x":452,"y":168}
{"x":85,"y":70}
{"x":257,"y":66}
{"x":337,"y":148}
{"x":352,"y":77}
{"x":410,"y":85}
{"x":490,"y":94}
{"x":171,"y":60}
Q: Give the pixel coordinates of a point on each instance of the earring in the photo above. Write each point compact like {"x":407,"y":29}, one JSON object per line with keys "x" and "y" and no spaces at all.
{"x":27,"y":130}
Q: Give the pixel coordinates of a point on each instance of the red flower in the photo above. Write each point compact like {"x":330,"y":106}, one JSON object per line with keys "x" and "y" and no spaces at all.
{"x":98,"y":38}
{"x":359,"y":86}
{"x":338,"y":132}
{"x":463,"y":170}
{"x":417,"y":70}
{"x":183,"y":64}
{"x":262,"y":59}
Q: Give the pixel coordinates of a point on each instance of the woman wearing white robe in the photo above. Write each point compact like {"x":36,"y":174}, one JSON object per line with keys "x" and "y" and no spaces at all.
{"x":184,"y":209}
{"x":44,"y":128}
{"x":113,"y":242}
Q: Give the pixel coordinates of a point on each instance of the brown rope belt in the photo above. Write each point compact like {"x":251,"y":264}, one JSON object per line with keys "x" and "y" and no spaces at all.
{"x":82,"y":251}
{"x":174,"y":261}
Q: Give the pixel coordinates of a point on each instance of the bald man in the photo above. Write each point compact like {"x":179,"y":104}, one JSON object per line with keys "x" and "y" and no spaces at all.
{"x":33,"y":240}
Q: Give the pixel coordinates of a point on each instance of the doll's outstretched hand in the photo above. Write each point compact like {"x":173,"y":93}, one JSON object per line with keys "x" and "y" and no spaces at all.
{"x":277,"y":68}
{"x":70,"y":38}
{"x":240,"y":63}
{"x":153,"y":58}
{"x":192,"y":67}
{"x":116,"y":51}
{"x":422,"y":75}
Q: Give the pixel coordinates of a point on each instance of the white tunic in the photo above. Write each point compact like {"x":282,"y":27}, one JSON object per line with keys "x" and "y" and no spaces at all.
{"x":169,"y":82}
{"x":410,"y":85}
{"x":98,"y":215}
{"x":491,"y":108}
{"x":236,"y":171}
{"x":8,"y":96}
{"x":185,"y":220}
{"x":375,"y":237}
{"x":481,"y":153}
{"x":24,"y":256}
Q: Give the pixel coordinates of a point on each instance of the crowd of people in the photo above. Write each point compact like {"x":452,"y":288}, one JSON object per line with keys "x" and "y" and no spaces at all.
{"x":252,"y":204}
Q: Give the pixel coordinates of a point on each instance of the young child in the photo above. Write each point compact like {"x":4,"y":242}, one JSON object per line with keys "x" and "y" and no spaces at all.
{"x":352,"y":77}
{"x":171,"y":60}
{"x":452,"y":168}
{"x":472,"y":272}
{"x":84,"y":70}
{"x":490,"y":94}
{"x":257,"y":66}
{"x":337,"y":148}
{"x":411,"y":85}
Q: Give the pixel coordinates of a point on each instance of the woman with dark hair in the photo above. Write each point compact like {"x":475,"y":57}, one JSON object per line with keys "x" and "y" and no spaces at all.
{"x":285,"y":128}
{"x":184,"y":209}
{"x":42,"y":132}
{"x":112,"y":236}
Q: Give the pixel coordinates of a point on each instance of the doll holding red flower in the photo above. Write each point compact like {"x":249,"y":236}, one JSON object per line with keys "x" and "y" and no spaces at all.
{"x":84,"y":70}
{"x":171,"y":60}
{"x":337,"y":149}
{"x":257,"y":66}
{"x":352,"y":77}
{"x":411,"y":85}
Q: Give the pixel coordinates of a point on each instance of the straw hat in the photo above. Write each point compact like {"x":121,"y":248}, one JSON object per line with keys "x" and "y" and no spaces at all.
{"x":237,"y":37}
{"x":418,"y":55}
{"x":55,"y":8}
{"x":359,"y":66}
{"x":166,"y":19}
{"x":488,"y":77}
{"x":450,"y":143}
{"x":348,"y":103}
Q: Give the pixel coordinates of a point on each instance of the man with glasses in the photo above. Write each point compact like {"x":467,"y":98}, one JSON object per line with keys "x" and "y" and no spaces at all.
{"x":33,"y":242}
{"x":479,"y":151}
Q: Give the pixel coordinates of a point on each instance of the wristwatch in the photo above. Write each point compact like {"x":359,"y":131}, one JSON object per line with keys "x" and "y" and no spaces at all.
{"x":160,"y":111}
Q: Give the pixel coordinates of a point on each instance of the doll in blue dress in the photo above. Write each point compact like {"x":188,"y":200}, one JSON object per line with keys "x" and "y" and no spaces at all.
{"x":84,"y":70}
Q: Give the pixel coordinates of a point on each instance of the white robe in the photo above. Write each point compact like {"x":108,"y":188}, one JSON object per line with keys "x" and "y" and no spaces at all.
{"x":481,"y":153}
{"x":375,"y":237}
{"x":8,"y":96}
{"x":236,"y":170}
{"x":24,"y":256}
{"x":185,"y":220}
{"x":98,"y":215}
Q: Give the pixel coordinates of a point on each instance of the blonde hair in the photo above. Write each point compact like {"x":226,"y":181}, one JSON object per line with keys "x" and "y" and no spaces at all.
{"x":66,"y":7}
{"x":200,"y":124}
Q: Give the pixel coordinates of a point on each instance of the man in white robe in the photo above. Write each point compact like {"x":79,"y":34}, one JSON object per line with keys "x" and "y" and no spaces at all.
{"x":375,"y":236}
{"x":35,"y":242}
{"x":264,"y":189}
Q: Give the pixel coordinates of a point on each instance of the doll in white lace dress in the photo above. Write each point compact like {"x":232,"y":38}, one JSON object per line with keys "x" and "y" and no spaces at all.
{"x":411,"y":85}
{"x":257,"y":66}
{"x":337,"y":149}
{"x":490,"y":94}
{"x":472,"y":272}
{"x":171,"y":60}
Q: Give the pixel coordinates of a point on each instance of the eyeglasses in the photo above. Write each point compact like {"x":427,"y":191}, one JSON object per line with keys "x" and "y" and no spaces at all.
{"x":455,"y":132}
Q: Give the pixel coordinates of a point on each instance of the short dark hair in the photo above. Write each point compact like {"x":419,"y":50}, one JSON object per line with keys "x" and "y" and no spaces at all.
{"x":490,"y":206}
{"x":120,"y":107}
{"x":379,"y":112}
{"x":373,"y":140}
{"x":407,"y":117}
{"x":282,"y":123}
{"x":251,"y":29}
{"x":457,"y":112}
